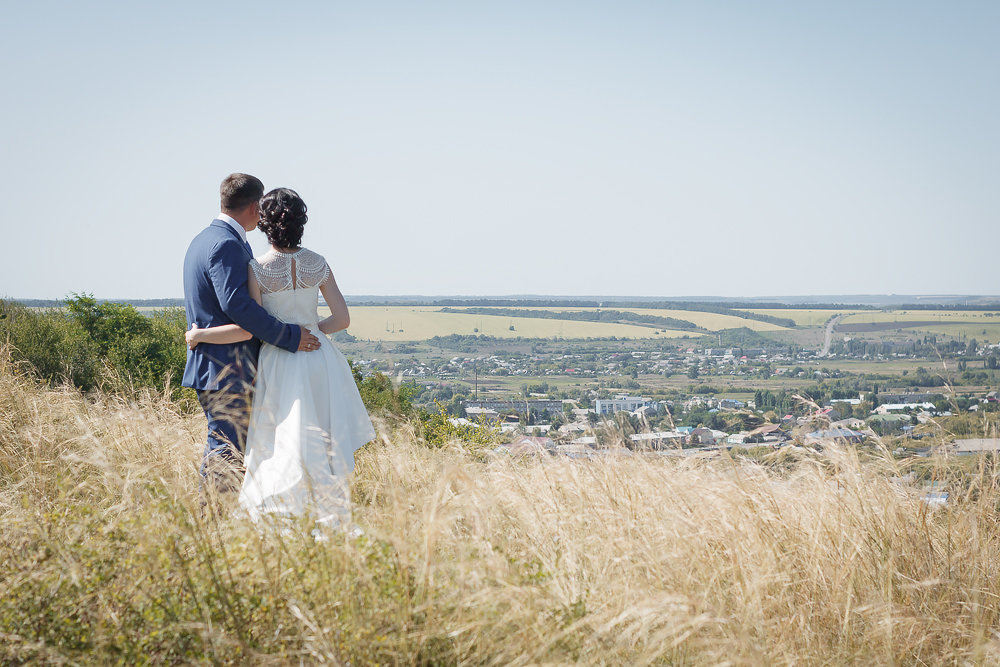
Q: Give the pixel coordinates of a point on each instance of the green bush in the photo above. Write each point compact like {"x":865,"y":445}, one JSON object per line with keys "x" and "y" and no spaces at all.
{"x":437,"y":430}
{"x":55,"y":346}
{"x":94,"y":344}
{"x":379,"y":395}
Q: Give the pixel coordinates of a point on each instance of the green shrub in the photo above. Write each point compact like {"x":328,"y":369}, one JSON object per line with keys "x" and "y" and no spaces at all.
{"x":94,"y":344}
{"x":437,"y":429}
{"x":55,"y":346}
{"x":140,"y":351}
{"x":381,"y":397}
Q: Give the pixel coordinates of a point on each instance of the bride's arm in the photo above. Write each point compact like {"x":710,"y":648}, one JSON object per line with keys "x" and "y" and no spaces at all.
{"x":339,"y":318}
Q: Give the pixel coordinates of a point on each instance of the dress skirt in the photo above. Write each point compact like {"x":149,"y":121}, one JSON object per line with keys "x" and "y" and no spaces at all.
{"x":307,"y":421}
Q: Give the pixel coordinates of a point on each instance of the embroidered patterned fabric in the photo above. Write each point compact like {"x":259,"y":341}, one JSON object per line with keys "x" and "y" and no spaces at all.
{"x":275,"y":271}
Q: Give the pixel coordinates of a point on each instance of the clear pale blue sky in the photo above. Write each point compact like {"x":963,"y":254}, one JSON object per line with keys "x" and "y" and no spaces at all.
{"x":646,"y":148}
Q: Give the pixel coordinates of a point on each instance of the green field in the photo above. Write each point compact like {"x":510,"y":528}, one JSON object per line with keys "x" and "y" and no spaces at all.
{"x":944,"y":316}
{"x":984,"y":332}
{"x":877,"y":367}
{"x":981,"y":325}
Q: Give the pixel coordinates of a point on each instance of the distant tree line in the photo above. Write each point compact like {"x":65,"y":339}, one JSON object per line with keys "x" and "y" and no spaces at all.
{"x":138,"y":303}
{"x":927,"y":346}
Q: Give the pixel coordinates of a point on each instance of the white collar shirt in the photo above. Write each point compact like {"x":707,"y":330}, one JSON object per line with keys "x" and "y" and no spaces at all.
{"x":235,"y":225}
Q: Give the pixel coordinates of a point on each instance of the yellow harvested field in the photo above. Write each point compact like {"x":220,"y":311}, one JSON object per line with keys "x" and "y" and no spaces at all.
{"x":984,"y":332}
{"x":803,"y":317}
{"x":945,"y":316}
{"x":710,"y":321}
{"x":399,"y":323}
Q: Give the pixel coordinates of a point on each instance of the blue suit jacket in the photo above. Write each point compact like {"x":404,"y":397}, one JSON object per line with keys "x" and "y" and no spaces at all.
{"x":215,"y":292}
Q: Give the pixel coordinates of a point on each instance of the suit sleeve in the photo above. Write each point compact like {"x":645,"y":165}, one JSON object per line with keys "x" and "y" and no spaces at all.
{"x":228,"y":271}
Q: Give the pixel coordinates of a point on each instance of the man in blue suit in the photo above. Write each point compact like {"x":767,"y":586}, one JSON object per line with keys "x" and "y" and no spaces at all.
{"x":215,"y":292}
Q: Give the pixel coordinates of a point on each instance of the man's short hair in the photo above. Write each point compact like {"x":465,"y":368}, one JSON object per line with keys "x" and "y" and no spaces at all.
{"x":239,"y":191}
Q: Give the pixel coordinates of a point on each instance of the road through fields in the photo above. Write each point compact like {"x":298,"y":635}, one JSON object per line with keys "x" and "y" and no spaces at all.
{"x":828,"y":339}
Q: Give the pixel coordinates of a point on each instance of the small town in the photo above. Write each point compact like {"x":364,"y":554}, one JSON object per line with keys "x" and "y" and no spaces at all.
{"x":588,"y":399}
{"x":580,"y":433}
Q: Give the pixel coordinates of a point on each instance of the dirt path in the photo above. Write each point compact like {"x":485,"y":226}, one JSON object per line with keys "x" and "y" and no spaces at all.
{"x":829,"y":334}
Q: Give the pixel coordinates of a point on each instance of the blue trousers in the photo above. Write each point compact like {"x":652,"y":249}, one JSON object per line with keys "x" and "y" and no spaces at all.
{"x":228,"y":414}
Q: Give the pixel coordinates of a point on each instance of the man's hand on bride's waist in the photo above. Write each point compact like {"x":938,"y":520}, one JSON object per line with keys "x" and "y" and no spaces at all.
{"x":308,"y":342}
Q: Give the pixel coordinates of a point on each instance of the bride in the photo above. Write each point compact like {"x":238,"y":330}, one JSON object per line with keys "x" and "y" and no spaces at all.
{"x":308,"y":418}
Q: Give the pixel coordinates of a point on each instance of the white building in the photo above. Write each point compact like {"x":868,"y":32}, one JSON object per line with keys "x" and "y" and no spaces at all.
{"x":888,"y":408}
{"x":975,"y":445}
{"x":479,"y":414}
{"x":659,"y":439}
{"x":604,"y":406}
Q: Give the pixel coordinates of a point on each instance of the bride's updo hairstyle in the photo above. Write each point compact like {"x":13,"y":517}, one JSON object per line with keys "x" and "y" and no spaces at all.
{"x":283,"y":217}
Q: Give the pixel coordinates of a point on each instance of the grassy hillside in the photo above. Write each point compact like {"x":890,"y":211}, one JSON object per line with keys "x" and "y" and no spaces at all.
{"x":474,"y":558}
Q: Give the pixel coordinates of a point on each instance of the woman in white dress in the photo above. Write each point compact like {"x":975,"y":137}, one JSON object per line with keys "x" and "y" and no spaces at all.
{"x":308,"y":418}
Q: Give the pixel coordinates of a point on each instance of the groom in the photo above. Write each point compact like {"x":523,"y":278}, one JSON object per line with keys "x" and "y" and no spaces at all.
{"x":215,"y":292}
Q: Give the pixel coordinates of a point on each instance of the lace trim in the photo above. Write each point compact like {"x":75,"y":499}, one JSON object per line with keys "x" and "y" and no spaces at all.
{"x":274,"y":270}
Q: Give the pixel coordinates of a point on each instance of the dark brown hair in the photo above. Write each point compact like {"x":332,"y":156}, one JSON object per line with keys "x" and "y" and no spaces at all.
{"x":283,"y":217}
{"x":239,"y":191}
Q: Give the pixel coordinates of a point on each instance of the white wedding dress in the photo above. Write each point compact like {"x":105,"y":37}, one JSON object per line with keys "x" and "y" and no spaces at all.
{"x":308,"y":418}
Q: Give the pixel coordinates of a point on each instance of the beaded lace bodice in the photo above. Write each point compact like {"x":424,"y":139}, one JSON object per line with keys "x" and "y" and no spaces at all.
{"x":289,"y":284}
{"x":274,"y":270}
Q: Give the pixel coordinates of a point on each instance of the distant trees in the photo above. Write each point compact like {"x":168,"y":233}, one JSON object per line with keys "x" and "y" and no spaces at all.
{"x":768,"y":401}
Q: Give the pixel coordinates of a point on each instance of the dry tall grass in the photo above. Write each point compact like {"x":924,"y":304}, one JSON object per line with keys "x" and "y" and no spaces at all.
{"x":466,"y":558}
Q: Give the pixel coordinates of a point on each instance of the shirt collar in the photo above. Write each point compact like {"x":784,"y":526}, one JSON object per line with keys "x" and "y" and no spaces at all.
{"x":235,"y":225}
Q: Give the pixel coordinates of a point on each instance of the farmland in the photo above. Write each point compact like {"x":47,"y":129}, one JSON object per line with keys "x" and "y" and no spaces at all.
{"x":961,"y":324}
{"x":413,"y":323}
{"x":710,"y":321}
{"x":987,"y":333}
{"x":943,"y":316}
{"x":803,"y":317}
